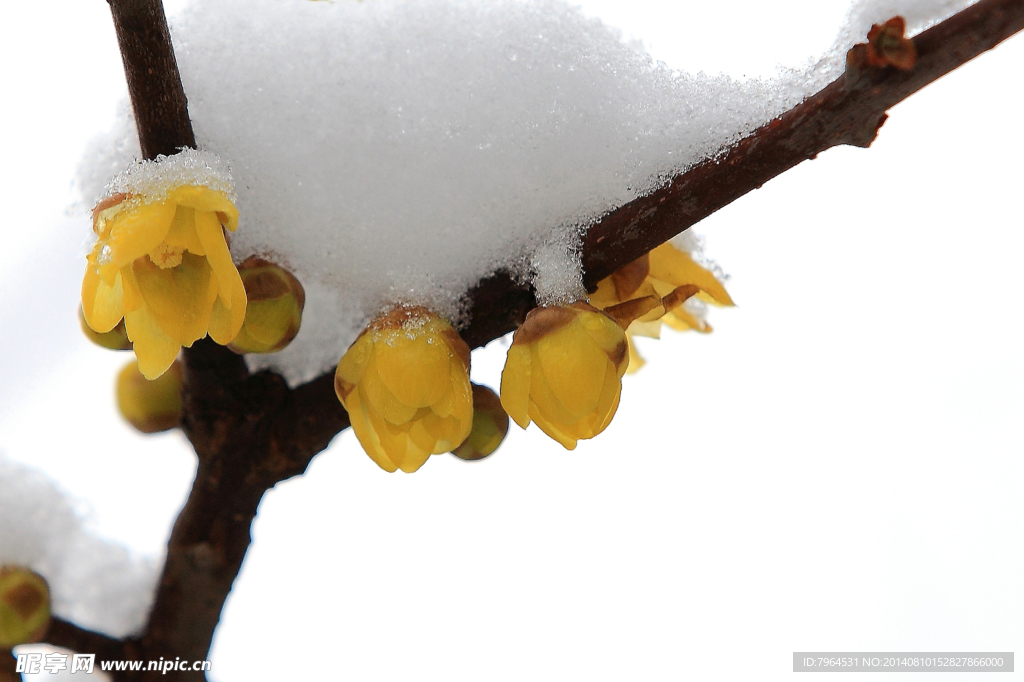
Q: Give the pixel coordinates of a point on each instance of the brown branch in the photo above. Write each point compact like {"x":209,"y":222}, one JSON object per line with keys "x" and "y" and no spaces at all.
{"x":69,"y":636}
{"x":8,"y":667}
{"x":251,"y":431}
{"x":154,"y":86}
{"x":849,"y":111}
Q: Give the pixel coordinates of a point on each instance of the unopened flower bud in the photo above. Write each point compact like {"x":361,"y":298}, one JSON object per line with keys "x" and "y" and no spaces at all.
{"x":115,"y":339}
{"x":490,"y":425}
{"x":150,"y":406}
{"x":564,"y":369}
{"x":405,"y":385}
{"x":274,"y":310}
{"x":24,"y":606}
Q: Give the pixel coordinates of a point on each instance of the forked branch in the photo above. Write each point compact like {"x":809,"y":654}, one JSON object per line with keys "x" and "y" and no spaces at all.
{"x":252,"y":431}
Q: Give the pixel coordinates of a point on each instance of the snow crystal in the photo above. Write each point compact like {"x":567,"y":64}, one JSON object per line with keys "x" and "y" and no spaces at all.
{"x":155,"y":179}
{"x":94,"y":583}
{"x":556,"y":268}
{"x":400,"y":151}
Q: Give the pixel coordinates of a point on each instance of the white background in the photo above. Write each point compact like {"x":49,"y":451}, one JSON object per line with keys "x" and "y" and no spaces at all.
{"x":836,"y":468}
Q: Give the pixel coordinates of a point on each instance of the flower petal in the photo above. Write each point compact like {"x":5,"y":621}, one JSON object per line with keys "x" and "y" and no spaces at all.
{"x":154,"y":349}
{"x":607,"y":405}
{"x":367,"y":436}
{"x":383,"y":401}
{"x":352,"y":365}
{"x":424,"y":441}
{"x":204,"y":199}
{"x":136,"y":232}
{"x":211,"y":235}
{"x":183,"y":231}
{"x":552,"y":428}
{"x":546,"y":400}
{"x":132,"y":296}
{"x":574,"y":368}
{"x":515,"y":385}
{"x":669,"y":264}
{"x":177,"y":297}
{"x":394,"y":440}
{"x":415,"y":370}
{"x":445,"y":432}
{"x":102,"y":304}
{"x":229,"y":308}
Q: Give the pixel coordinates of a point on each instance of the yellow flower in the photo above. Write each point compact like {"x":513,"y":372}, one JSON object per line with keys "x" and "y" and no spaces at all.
{"x":667,"y":273}
{"x":163,"y":265}
{"x":564,"y":370}
{"x":405,"y":384}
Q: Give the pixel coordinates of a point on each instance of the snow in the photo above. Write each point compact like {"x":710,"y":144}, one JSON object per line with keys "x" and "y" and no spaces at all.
{"x":919,"y":14}
{"x":155,"y":179}
{"x":93,"y":583}
{"x":400,"y":151}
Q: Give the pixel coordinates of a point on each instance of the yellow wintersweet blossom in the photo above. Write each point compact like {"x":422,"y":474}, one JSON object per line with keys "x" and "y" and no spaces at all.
{"x":565,"y":366}
{"x":667,"y":273}
{"x":405,"y":384}
{"x":163,"y":265}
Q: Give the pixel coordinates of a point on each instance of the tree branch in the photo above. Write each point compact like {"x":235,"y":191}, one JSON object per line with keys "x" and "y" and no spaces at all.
{"x":249,"y":432}
{"x":849,"y":111}
{"x":69,"y":636}
{"x":252,"y":431}
{"x":154,"y":86}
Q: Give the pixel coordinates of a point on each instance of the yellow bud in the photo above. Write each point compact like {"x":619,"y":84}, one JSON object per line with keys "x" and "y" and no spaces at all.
{"x":490,"y":425}
{"x":405,"y":385}
{"x":150,"y":406}
{"x":115,"y":339}
{"x":564,"y":372}
{"x":274,"y":310}
{"x":24,"y":606}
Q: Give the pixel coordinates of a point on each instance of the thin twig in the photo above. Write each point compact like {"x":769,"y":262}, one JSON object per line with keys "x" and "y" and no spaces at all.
{"x":847,"y":112}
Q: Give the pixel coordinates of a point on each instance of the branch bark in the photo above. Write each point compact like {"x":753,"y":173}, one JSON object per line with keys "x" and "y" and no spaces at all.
{"x":252,"y":431}
{"x":154,"y":86}
{"x":849,"y":111}
{"x":70,"y":636}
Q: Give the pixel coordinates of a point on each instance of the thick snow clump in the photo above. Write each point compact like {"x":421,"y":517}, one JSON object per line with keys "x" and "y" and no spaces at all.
{"x":401,"y":150}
